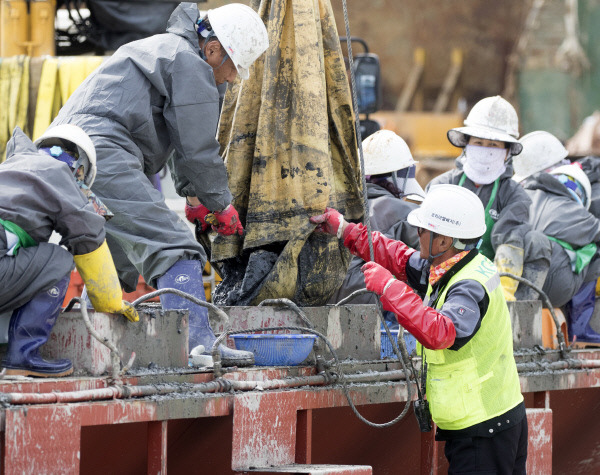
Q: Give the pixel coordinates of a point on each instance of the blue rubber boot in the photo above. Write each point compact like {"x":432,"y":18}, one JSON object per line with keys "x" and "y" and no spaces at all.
{"x":581,"y":310}
{"x":29,"y":329}
{"x":187,"y":276}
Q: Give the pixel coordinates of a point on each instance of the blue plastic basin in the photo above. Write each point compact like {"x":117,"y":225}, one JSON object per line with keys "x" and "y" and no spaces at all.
{"x":387,"y":351}
{"x":275,"y":349}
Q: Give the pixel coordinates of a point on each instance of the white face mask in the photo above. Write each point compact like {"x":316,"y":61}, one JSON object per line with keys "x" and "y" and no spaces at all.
{"x":484,"y":164}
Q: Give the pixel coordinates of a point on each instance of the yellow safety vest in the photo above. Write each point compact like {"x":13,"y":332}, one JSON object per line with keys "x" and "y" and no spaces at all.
{"x":480,"y":380}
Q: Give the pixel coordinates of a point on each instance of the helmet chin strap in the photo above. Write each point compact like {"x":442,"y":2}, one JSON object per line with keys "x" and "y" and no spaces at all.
{"x":430,"y":257}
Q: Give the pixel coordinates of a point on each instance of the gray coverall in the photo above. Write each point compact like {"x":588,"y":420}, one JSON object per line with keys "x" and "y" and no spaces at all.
{"x":152,"y":97}
{"x":591,"y":167}
{"x":39,"y":194}
{"x":555,"y":213}
{"x":510,"y":213}
{"x":387,"y":214}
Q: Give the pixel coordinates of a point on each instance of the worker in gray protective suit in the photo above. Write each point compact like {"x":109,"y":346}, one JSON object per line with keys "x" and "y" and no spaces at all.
{"x":154,"y":97}
{"x":574,"y":231}
{"x":489,"y":141}
{"x":41,"y":192}
{"x":392,"y":192}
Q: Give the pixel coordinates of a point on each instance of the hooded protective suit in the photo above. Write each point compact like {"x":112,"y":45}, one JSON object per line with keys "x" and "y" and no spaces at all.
{"x":153,"y":97}
{"x":591,"y":167}
{"x":554,"y":212}
{"x":388,"y":216}
{"x":39,"y":194}
{"x":509,"y":213}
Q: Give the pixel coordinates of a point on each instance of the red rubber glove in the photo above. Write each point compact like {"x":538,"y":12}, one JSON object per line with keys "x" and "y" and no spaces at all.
{"x":196,"y":215}
{"x":329,"y":222}
{"x":376,"y":277}
{"x":433,"y":329}
{"x":229,"y":222}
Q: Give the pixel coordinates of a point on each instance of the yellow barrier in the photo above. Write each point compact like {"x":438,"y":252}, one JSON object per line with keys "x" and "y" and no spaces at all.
{"x":14,"y":97}
{"x":27,"y":27}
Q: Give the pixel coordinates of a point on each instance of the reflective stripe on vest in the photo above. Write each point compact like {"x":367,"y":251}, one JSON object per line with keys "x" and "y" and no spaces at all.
{"x":480,"y":380}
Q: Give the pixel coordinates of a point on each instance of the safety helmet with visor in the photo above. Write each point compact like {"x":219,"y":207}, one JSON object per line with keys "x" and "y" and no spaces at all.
{"x":492,"y":118}
{"x":76,"y":142}
{"x":576,"y":181}
{"x":541,"y":150}
{"x":240,"y":31}
{"x":386,"y":152}
{"x":71,"y":145}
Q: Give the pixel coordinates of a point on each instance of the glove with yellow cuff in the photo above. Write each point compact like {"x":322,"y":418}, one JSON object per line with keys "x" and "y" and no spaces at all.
{"x":97,"y":270}
{"x":509,"y":259}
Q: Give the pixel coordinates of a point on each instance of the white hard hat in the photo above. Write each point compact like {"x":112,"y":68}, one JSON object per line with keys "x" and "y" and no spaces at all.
{"x":85,"y":147}
{"x":450,"y":210}
{"x":385,"y":152}
{"x":492,"y":118}
{"x":575,"y":172}
{"x":541,"y":150}
{"x":241,"y":32}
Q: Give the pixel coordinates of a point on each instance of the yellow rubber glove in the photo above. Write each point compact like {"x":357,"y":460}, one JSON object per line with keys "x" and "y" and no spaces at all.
{"x":97,"y":270}
{"x":509,"y":259}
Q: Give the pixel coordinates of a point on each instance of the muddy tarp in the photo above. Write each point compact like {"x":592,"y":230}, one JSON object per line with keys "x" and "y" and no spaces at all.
{"x":290,"y":147}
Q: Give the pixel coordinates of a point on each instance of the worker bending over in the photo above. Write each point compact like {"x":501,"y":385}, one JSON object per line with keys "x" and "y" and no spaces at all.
{"x":489,"y":141}
{"x":463,"y":326}
{"x":392,"y":193}
{"x":41,"y":192}
{"x":151,"y":98}
{"x":561,"y":194}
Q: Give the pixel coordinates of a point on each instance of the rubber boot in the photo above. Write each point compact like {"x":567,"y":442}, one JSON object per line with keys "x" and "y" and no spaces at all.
{"x":536,"y":274}
{"x":187,"y":276}
{"x":29,"y":329}
{"x":581,"y":310}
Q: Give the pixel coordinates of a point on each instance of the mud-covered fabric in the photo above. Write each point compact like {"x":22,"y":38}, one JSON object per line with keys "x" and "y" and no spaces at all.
{"x":290,"y":149}
{"x":387,"y":214}
{"x":151,"y":98}
{"x":555,"y":213}
{"x":39,"y":194}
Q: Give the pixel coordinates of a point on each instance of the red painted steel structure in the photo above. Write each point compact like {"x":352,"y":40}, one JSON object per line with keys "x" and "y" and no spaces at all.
{"x":243,"y":431}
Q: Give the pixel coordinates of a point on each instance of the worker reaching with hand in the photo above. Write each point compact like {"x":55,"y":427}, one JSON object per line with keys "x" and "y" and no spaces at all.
{"x":156,"y":97}
{"x":392,"y":193}
{"x":489,"y":140}
{"x":42,"y":191}
{"x":463,"y":325}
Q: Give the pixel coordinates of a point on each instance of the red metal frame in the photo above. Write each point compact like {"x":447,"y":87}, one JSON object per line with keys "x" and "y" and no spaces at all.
{"x":233,"y":432}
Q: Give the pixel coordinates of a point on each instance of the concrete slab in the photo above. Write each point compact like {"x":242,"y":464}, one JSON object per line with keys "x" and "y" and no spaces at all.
{"x":353,"y":330}
{"x":526,"y":318}
{"x":159,"y":339}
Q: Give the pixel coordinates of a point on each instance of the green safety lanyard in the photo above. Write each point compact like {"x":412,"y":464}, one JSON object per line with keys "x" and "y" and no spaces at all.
{"x":486,"y":240}
{"x":583,"y":255}
{"x":25,"y":240}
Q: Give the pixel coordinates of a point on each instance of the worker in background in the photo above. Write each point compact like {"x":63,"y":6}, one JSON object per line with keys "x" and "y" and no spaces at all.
{"x":489,"y":141}
{"x":151,"y":98}
{"x":560,"y":197}
{"x":463,"y":325}
{"x":41,"y":192}
{"x":393,"y":192}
